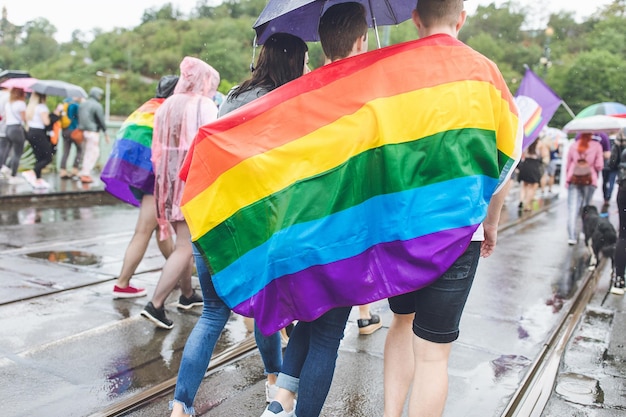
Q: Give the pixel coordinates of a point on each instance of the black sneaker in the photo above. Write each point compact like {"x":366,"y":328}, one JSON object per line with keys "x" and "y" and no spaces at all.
{"x":369,"y":326}
{"x":186,"y":303}
{"x":157,"y":316}
{"x":618,"y":286}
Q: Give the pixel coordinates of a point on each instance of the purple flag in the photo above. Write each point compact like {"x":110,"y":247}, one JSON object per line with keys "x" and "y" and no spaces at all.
{"x":537,"y":104}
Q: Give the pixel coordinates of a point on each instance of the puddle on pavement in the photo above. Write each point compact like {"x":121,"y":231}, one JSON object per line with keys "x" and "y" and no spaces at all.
{"x":506,"y":364}
{"x":68,"y":257}
{"x":579,"y":389}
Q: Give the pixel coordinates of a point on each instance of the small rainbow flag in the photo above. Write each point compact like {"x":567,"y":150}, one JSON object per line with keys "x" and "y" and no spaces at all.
{"x":362,"y":180}
{"x":533,"y":122}
{"x":129,"y":163}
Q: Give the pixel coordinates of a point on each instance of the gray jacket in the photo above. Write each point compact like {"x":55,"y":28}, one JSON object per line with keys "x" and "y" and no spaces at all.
{"x":90,"y":113}
{"x":232,"y":103}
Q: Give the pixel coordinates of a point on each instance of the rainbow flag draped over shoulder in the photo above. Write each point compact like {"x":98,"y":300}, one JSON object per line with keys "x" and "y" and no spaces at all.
{"x":129,"y":163}
{"x":361,"y":180}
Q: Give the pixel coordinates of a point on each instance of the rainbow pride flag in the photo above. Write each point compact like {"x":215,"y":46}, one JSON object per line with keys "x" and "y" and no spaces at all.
{"x":129,"y":163}
{"x":362,"y":180}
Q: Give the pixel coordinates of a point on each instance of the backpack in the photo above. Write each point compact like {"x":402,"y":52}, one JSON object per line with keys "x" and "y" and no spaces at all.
{"x":582,"y":172}
{"x":65,"y":118}
{"x":614,"y":159}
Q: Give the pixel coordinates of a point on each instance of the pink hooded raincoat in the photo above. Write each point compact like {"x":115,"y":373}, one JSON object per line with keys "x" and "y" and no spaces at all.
{"x":176,"y":123}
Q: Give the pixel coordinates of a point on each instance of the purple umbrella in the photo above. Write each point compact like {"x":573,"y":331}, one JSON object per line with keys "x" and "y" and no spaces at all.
{"x":301,"y":17}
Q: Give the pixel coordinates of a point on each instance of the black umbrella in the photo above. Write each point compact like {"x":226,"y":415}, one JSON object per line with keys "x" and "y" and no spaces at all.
{"x":8,"y":74}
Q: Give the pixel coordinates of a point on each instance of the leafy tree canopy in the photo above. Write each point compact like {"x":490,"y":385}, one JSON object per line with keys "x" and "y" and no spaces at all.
{"x":582,"y":61}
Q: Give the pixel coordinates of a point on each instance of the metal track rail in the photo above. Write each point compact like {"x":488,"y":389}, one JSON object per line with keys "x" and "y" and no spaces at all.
{"x":535,"y":389}
{"x":139,"y":400}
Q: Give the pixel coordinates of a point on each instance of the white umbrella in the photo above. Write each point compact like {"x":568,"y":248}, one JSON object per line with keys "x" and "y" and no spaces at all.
{"x":594,"y":124}
{"x":58,"y":88}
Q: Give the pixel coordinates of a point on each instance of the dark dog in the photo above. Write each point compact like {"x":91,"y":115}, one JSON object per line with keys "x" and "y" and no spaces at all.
{"x":600,"y":236}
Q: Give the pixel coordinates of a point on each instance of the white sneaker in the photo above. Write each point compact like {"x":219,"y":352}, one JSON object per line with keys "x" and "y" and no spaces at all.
{"x":571,"y":242}
{"x":15,"y":180}
{"x":275,"y":409}
{"x":30,"y":176}
{"x":270,"y":392}
{"x":5,"y":171}
{"x":41,"y":184}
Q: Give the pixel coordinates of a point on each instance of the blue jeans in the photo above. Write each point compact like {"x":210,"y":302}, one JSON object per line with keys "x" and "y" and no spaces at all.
{"x":271,"y":349}
{"x":608,"y":182}
{"x":310,"y":357}
{"x":202,"y":339}
{"x":578,"y":196}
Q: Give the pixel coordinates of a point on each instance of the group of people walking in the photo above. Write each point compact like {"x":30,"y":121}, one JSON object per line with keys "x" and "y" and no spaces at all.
{"x":26,"y":118}
{"x":425,"y":321}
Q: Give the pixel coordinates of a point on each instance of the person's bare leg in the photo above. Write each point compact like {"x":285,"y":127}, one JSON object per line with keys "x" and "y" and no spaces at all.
{"x":364,"y":312}
{"x":166,"y":247}
{"x":146,"y":223}
{"x":430,"y":380}
{"x":550,"y":183}
{"x":286,"y":398}
{"x":530,"y":194}
{"x":271,"y":379}
{"x":177,"y":268}
{"x":178,"y":411}
{"x":398,"y":364}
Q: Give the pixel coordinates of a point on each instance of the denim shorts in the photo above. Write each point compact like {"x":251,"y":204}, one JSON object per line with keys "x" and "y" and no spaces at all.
{"x":438,"y":307}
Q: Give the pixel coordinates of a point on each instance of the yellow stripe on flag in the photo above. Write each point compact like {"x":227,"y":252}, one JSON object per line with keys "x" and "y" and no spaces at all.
{"x":331,"y":145}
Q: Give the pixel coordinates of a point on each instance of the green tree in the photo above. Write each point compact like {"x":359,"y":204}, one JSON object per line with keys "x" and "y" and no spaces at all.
{"x":595,"y":76}
{"x":166,"y":12}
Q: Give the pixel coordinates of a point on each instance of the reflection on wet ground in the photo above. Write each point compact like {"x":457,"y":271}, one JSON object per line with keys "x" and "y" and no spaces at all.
{"x":32,"y":215}
{"x":68,"y":257}
{"x":565,"y":287}
{"x":507,"y":364}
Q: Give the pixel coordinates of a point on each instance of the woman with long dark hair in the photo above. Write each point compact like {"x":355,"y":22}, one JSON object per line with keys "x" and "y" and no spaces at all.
{"x":283,"y":58}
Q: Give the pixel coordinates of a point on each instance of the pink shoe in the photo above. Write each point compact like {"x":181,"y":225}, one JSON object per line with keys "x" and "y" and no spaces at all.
{"x":128,"y":292}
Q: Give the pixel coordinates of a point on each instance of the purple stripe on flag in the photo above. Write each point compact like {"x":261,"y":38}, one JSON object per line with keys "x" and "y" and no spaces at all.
{"x":127,"y":174}
{"x":380,"y":272}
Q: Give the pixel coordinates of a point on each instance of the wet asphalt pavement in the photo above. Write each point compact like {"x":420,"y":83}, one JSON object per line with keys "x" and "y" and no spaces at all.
{"x":68,"y":349}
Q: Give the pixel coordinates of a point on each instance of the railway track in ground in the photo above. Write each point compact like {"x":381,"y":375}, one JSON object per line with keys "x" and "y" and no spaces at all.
{"x":535,"y":389}
{"x":140,"y":399}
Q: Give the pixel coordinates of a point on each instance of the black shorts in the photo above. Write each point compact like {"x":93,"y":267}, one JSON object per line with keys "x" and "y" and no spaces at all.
{"x":438,"y":307}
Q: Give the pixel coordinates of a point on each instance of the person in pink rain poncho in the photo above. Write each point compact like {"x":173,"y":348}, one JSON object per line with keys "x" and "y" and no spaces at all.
{"x":176,"y":123}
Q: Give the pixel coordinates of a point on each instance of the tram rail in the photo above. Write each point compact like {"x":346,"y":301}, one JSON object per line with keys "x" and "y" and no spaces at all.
{"x":528,"y":400}
{"x":534,"y":391}
{"x":140,"y":399}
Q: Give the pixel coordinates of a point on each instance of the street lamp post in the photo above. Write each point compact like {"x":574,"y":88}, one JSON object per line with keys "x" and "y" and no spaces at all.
{"x":107,"y":93}
{"x":545,"y":59}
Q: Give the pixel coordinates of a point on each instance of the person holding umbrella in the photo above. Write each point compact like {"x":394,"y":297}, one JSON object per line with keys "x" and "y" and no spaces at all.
{"x":310,"y":356}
